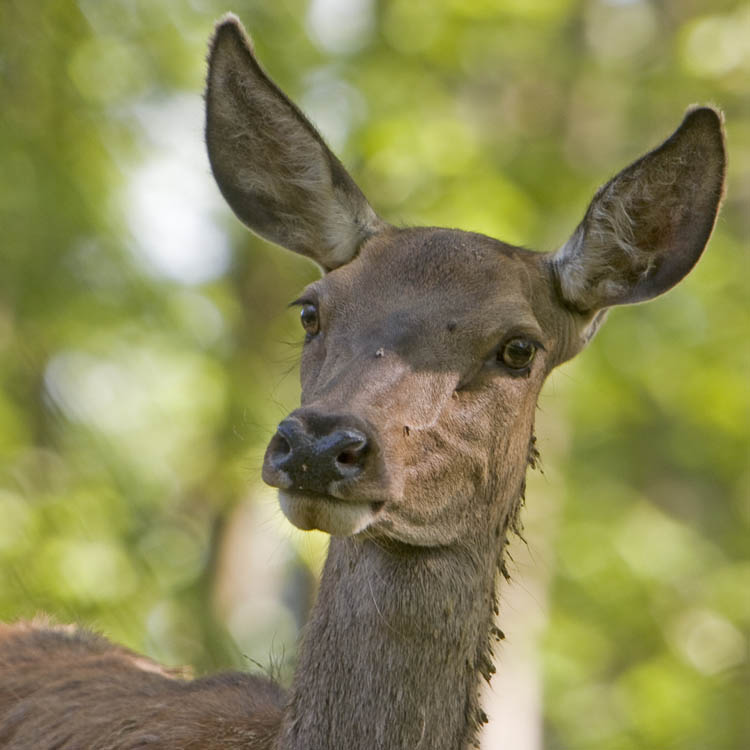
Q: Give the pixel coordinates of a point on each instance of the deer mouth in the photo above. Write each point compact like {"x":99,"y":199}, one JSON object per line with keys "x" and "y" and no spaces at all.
{"x":309,"y":510}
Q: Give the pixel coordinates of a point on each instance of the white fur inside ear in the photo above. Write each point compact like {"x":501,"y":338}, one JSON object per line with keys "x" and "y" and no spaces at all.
{"x":345,"y":236}
{"x":587,"y":274}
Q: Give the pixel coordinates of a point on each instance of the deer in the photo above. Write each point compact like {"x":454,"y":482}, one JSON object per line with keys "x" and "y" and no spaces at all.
{"x":425,"y":352}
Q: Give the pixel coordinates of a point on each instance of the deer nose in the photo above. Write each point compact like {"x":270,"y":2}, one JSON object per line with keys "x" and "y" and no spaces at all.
{"x":302,"y":457}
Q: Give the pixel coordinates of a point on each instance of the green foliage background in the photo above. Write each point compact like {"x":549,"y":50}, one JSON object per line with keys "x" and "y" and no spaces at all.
{"x":137,"y":393}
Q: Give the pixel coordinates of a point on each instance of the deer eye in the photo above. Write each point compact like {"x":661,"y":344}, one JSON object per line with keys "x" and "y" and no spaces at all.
{"x":309,"y":319}
{"x":517,"y":354}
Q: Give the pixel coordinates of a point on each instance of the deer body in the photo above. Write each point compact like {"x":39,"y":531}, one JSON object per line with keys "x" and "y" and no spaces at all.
{"x":425,"y":353}
{"x":67,"y":688}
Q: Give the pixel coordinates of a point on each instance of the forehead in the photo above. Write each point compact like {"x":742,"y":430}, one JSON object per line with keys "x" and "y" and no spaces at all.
{"x":453,"y":274}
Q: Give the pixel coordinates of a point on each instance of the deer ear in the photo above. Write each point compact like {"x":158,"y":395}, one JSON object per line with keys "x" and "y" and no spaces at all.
{"x":271,"y":165}
{"x":647,"y":227}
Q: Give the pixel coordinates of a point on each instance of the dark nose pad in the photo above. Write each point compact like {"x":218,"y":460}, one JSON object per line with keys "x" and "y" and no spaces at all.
{"x":309,"y":459}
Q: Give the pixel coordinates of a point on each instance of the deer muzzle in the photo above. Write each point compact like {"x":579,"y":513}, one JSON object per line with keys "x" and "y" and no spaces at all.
{"x":313,"y":461}
{"x":319,"y":462}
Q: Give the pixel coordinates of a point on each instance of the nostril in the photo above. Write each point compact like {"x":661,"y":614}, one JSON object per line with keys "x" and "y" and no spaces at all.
{"x":279,"y":447}
{"x":348,"y":449}
{"x":349,"y":457}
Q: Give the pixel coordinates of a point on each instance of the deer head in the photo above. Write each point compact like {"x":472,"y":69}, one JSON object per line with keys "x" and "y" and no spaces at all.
{"x":426,"y":348}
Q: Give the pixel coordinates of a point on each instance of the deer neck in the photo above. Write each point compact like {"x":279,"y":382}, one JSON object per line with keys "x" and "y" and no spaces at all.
{"x":395,"y":647}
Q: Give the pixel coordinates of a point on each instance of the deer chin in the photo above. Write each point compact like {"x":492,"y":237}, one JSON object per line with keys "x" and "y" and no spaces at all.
{"x":307,"y":511}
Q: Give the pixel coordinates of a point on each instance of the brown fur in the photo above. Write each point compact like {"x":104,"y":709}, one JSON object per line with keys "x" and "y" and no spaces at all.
{"x":62,"y":687}
{"x":413,"y":324}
